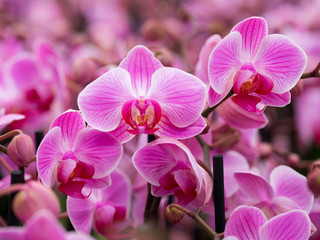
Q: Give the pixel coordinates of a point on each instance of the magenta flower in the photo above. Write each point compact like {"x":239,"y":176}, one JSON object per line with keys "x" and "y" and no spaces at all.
{"x":79,"y":157}
{"x":42,"y":225}
{"x":260,"y":68}
{"x":105,"y":210}
{"x":142,"y":96}
{"x":248,"y":223}
{"x":171,"y":168}
{"x":286,"y":190}
{"x":6,"y":119}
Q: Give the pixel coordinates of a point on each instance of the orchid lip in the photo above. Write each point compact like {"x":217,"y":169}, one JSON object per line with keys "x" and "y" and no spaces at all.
{"x":142,"y":115}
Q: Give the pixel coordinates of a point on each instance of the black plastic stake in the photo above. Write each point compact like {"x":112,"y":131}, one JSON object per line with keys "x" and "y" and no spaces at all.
{"x":16,"y":177}
{"x":38,"y":136}
{"x":218,"y":193}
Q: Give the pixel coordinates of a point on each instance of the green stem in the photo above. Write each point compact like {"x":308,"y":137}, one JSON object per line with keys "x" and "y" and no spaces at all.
{"x":198,"y":219}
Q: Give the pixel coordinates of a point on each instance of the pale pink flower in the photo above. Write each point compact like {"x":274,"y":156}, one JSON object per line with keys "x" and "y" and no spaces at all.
{"x":105,"y":210}
{"x":42,"y":225}
{"x":248,"y":223}
{"x":169,"y":166}
{"x":79,"y":157}
{"x":6,"y":119}
{"x":286,"y":190}
{"x":142,"y":96}
{"x":260,"y":68}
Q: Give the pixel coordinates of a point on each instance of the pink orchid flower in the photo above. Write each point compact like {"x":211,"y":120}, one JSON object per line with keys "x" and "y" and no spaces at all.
{"x":142,"y":96}
{"x":248,"y":223}
{"x":260,"y":68}
{"x":42,"y":225}
{"x":105,"y":210}
{"x":171,"y":168}
{"x":6,"y":119}
{"x":79,"y":157}
{"x":286,"y":190}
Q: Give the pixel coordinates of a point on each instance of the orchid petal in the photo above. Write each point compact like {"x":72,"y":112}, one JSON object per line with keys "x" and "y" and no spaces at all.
{"x":99,"y":149}
{"x":291,"y":184}
{"x":9,"y":118}
{"x":141,"y":64}
{"x":281,"y":60}
{"x":160,"y":156}
{"x":155,"y":160}
{"x":119,"y":193}
{"x":48,"y":155}
{"x":74,"y":189}
{"x":255,"y":187}
{"x":80,"y":212}
{"x":276,"y":100}
{"x":280,"y":205}
{"x":43,"y":225}
{"x":294,"y":225}
{"x":233,"y":162}
{"x":167,"y":129}
{"x":240,"y":77}
{"x":244,"y":223}
{"x":23,"y":71}
{"x":252,"y":31}
{"x":214,"y":98}
{"x":247,"y":102}
{"x":237,"y":117}
{"x":70,"y":122}
{"x":224,"y":61}
{"x":201,"y":69}
{"x":121,"y":132}
{"x":10,"y":233}
{"x":101,"y":101}
{"x":181,"y":96}
{"x":65,"y":168}
{"x":100,"y":183}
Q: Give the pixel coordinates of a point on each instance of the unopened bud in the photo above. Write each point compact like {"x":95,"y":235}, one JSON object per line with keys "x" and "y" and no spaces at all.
{"x":21,"y":150}
{"x":83,"y":71}
{"x":314,"y":178}
{"x":33,"y":197}
{"x":173,"y":215}
{"x":265,"y":149}
{"x":293,"y":160}
{"x":225,"y":137}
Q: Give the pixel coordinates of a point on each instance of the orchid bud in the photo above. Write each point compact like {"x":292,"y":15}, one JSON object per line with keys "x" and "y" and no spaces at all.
{"x":21,"y":150}
{"x":225,"y":137}
{"x":83,"y":71}
{"x":173,"y":215}
{"x":33,"y":197}
{"x":314,"y":178}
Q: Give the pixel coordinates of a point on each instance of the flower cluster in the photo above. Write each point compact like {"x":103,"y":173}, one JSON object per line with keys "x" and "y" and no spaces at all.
{"x":147,"y":118}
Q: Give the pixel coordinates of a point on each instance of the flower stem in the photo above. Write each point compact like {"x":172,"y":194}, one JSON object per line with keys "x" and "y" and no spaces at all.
{"x":198,"y":219}
{"x":5,"y":165}
{"x":207,"y":111}
{"x":10,"y":134}
{"x":206,"y":150}
{"x":63,"y":215}
{"x":3,"y":149}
